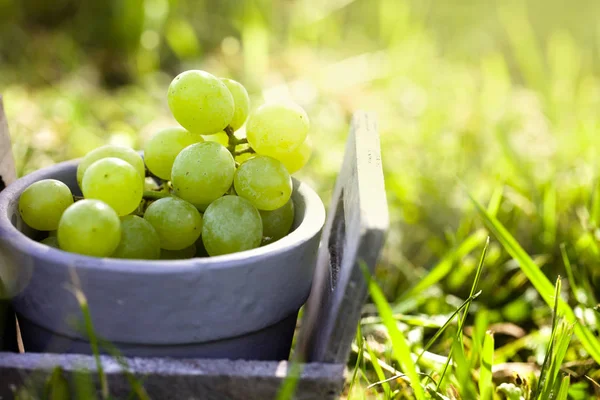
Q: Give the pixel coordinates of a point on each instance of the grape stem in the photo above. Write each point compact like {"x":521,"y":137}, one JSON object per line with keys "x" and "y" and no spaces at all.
{"x":245,"y":151}
{"x":233,"y":141}
{"x":153,"y":195}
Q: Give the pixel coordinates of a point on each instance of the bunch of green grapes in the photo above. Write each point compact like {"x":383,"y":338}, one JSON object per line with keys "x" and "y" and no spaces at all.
{"x":200,"y":190}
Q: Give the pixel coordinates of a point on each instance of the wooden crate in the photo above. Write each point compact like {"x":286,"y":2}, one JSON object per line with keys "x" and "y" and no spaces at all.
{"x":353,"y":236}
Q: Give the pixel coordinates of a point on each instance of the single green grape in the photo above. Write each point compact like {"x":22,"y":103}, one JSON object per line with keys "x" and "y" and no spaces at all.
{"x":43,"y":202}
{"x":202,"y":173}
{"x":122,"y":152}
{"x":277,"y":223}
{"x":183,"y":254}
{"x":231,"y":224}
{"x":115,"y":182}
{"x":177,"y":222}
{"x":277,"y":128}
{"x":89,"y":227}
{"x":241,"y":101}
{"x":296,"y":159}
{"x":263,"y":181}
{"x":200,"y":102}
{"x":162,"y":148}
{"x":139,"y":240}
{"x":219,"y":137}
{"x":51,"y":241}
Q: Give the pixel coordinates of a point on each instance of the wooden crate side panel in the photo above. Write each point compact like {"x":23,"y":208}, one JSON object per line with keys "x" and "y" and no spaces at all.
{"x":178,"y":379}
{"x":354,"y":234}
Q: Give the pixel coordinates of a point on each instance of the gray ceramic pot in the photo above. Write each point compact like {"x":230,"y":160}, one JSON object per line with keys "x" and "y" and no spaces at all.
{"x":237,"y":306}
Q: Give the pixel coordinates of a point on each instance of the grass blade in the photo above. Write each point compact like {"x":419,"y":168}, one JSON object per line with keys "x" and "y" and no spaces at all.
{"x":466,"y":311}
{"x":288,"y":387}
{"x":448,"y":322}
{"x":57,"y":386}
{"x":543,"y":382}
{"x":569,"y":269}
{"x":83,"y":383}
{"x":563,"y":339}
{"x":563,"y":391}
{"x":479,"y":332}
{"x":91,"y":333}
{"x":134,"y":383}
{"x":539,"y":280}
{"x":400,"y":346}
{"x":379,"y":371}
{"x":463,"y":371}
{"x":96,"y":342}
{"x":359,"y":356}
{"x":495,"y":201}
{"x":486,"y":386}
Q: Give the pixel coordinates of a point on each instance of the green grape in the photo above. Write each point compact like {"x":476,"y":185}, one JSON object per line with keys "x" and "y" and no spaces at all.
{"x":162,"y":148}
{"x":183,"y":254}
{"x":124,"y":153}
{"x":202,"y":207}
{"x":296,"y":159}
{"x":263,"y":181}
{"x":89,"y":227}
{"x":277,"y":223}
{"x":241,"y":101}
{"x":200,"y":102}
{"x":220,"y":137}
{"x":202,"y":173}
{"x":51,"y":241}
{"x":277,"y":128}
{"x":231,"y":224}
{"x":43,"y":202}
{"x":139,"y":240}
{"x":177,"y":222}
{"x":115,"y":182}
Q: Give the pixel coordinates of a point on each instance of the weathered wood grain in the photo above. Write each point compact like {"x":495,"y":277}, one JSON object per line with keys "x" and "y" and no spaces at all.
{"x":177,"y":379}
{"x":353,"y":235}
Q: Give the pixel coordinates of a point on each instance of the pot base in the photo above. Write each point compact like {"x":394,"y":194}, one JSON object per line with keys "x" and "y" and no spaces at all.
{"x":272,"y":343}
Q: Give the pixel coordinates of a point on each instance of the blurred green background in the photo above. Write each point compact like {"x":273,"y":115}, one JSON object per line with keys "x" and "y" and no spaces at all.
{"x":502,"y":97}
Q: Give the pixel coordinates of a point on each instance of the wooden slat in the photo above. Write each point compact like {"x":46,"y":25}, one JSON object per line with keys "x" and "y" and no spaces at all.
{"x":176,"y":379}
{"x":354,"y":233}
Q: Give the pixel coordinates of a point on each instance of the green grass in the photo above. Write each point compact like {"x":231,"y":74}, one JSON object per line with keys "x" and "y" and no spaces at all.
{"x":488,"y":117}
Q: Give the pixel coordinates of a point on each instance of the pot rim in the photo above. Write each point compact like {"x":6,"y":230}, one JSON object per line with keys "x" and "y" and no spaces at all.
{"x":310,"y":225}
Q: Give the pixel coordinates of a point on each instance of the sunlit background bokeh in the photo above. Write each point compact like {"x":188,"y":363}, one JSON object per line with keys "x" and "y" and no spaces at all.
{"x":501,"y":98}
